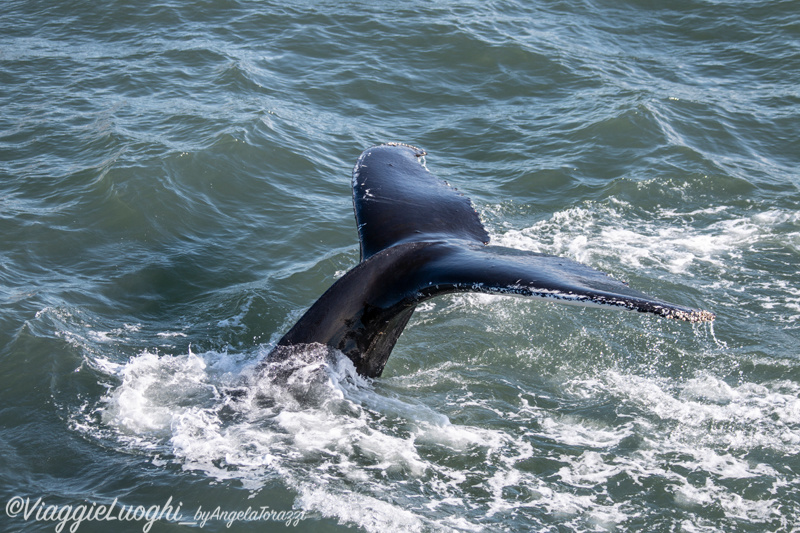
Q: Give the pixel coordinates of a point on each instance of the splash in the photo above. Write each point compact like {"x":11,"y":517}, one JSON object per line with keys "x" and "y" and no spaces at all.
{"x":379,"y":457}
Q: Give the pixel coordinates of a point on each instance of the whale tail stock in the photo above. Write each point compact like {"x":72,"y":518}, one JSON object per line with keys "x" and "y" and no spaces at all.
{"x":420,"y":238}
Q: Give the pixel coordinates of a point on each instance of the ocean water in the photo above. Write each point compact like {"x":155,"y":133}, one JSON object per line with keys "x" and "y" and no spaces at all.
{"x":175,"y":192}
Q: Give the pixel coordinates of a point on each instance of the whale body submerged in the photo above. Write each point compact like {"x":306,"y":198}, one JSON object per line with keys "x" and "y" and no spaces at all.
{"x":420,"y":238}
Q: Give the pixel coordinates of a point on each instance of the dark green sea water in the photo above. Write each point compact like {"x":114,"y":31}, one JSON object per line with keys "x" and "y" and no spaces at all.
{"x":175,"y":192}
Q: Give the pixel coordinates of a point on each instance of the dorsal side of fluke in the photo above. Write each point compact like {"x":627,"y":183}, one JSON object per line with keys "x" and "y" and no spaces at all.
{"x":396,"y":199}
{"x":420,"y":238}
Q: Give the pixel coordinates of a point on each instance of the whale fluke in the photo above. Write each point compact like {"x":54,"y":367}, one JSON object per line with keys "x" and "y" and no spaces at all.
{"x":421,"y":238}
{"x":397,"y":200}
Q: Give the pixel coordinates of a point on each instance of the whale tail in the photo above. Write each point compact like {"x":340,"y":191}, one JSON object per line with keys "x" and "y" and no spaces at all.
{"x":420,"y":238}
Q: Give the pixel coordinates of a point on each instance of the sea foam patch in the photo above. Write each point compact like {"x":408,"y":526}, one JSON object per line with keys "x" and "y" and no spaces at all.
{"x":716,"y":256}
{"x":378,"y":458}
{"x":667,"y":239}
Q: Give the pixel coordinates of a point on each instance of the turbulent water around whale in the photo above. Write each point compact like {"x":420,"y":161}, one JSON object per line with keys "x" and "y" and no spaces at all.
{"x":175,"y":194}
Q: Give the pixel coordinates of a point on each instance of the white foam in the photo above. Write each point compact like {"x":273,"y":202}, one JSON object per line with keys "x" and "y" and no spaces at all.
{"x":574,"y":431}
{"x":153,"y":391}
{"x":367,"y":512}
{"x":746,"y":416}
{"x":600,"y":234}
{"x":360,"y":455}
{"x":708,"y":389}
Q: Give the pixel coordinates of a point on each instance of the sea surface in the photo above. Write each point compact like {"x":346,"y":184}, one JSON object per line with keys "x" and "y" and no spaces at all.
{"x":175,"y":193}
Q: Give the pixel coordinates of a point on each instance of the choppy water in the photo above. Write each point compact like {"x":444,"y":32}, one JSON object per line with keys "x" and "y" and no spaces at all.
{"x":174,"y":193}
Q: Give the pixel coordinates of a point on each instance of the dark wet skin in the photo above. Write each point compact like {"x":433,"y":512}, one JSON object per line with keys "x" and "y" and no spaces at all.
{"x":420,"y":238}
